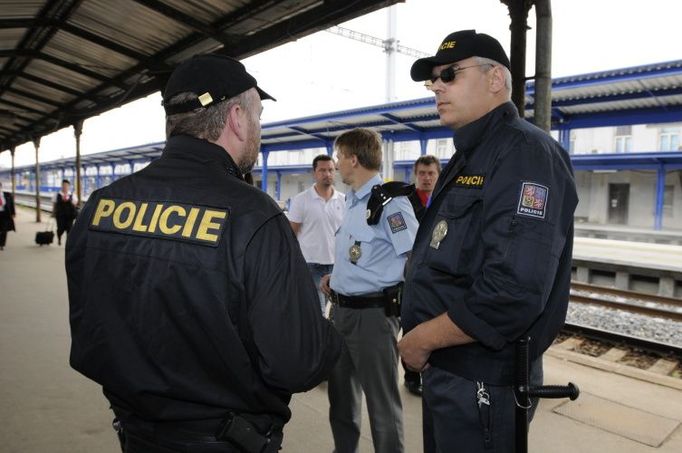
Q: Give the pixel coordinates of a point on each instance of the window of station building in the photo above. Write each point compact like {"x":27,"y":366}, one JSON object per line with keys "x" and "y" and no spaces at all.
{"x":442,"y":148}
{"x":669,"y":139}
{"x":623,"y":139}
{"x":668,"y":194}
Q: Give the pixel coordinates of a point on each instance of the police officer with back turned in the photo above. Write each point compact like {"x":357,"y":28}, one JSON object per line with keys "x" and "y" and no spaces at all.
{"x":492,"y":259}
{"x":188,"y":301}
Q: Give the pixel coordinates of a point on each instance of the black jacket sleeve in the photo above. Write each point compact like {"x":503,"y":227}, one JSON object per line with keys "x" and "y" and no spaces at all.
{"x":297,"y":347}
{"x":522,"y":247}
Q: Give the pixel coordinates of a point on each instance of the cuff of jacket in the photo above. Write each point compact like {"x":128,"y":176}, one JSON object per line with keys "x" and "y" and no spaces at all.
{"x":476,"y":327}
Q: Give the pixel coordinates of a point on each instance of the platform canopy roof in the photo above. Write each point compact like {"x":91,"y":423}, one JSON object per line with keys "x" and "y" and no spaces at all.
{"x":647,"y":94}
{"x":62,"y":61}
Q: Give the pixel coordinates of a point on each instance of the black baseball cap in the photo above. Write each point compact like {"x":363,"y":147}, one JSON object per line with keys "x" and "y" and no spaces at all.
{"x":458,"y":46}
{"x":213,"y":78}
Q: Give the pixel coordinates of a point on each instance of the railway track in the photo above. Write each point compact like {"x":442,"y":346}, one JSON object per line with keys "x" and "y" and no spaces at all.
{"x":654,"y":356}
{"x":630,"y":301}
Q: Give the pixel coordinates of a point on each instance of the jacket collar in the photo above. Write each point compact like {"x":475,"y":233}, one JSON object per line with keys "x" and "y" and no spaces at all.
{"x":468,"y":138}
{"x":192,"y":148}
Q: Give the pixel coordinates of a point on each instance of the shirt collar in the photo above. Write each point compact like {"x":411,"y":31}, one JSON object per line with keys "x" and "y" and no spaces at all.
{"x":186,"y":147}
{"x":366,"y":188}
{"x":468,"y":137}
{"x":317,"y":195}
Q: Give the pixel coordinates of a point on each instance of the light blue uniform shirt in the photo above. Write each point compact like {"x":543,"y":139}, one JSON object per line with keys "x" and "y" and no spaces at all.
{"x":383,"y":246}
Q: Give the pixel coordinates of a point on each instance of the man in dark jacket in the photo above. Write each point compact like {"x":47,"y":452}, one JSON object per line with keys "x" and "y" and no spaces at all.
{"x":492,"y":259}
{"x":7,"y":214}
{"x":190,"y":301}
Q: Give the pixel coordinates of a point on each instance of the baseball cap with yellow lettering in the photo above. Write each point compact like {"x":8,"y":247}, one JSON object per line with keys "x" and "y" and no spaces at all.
{"x":458,"y":46}
{"x":212,"y":78}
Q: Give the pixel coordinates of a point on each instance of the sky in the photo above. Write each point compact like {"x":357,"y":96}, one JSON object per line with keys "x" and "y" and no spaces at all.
{"x":324,"y":72}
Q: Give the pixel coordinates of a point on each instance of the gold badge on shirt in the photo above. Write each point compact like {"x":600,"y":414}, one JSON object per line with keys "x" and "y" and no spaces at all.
{"x":355,"y":252}
{"x":438,"y":234}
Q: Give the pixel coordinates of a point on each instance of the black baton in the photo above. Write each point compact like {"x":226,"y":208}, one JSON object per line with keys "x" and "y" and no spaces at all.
{"x":523,"y":391}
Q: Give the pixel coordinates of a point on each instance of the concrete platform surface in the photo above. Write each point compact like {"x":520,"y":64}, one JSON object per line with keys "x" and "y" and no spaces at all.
{"x":47,"y":407}
{"x":665,"y":257}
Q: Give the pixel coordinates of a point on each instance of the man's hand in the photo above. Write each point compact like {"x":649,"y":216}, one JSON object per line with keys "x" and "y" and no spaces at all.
{"x":324,"y":284}
{"x":413,"y":349}
{"x":440,"y":332}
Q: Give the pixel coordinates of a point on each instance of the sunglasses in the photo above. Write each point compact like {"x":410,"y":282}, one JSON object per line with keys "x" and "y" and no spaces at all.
{"x":448,"y":74}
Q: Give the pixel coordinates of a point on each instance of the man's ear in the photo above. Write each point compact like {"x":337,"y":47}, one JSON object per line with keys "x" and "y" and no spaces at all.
{"x":236,"y":121}
{"x":496,"y":81}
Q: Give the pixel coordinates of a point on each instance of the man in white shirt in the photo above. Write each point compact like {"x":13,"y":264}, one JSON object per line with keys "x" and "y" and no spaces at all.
{"x":315,"y":214}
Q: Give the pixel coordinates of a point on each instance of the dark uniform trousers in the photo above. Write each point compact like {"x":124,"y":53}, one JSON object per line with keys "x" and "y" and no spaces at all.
{"x":451,"y":413}
{"x":369,"y":364}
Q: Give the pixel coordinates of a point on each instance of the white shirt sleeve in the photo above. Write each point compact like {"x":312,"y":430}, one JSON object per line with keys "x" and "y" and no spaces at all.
{"x":296,"y":208}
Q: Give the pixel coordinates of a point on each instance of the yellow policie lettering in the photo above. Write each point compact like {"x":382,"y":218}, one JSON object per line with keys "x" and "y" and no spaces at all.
{"x":189,"y":225}
{"x":184,"y":222}
{"x":207,"y":224}
{"x":448,"y":45}
{"x":470,"y":180}
{"x":138,"y":225}
{"x":163,"y":222}
{"x":104,"y":209}
{"x":155,"y":218}
{"x":127,"y":205}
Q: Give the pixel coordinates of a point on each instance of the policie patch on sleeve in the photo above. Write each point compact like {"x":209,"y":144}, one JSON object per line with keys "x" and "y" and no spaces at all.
{"x":533,"y":200}
{"x":396,"y":222}
{"x":160,"y":219}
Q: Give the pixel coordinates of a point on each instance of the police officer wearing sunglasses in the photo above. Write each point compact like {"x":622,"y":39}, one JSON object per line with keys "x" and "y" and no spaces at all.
{"x":190,"y":301}
{"x":492,"y":259}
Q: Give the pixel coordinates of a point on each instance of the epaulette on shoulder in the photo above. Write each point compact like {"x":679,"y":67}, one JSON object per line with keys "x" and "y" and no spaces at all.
{"x":382,"y":194}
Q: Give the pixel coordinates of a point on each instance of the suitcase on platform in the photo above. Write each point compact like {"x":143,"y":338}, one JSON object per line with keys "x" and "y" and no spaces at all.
{"x":45,"y":237}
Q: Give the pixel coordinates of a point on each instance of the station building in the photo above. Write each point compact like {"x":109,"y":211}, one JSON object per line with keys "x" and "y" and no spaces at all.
{"x":621,"y":127}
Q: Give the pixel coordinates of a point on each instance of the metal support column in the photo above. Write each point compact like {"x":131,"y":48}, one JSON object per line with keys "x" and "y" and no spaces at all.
{"x":36,"y":143}
{"x":543,"y":65}
{"x":330,"y":147}
{"x":423,"y":143}
{"x":518,"y":11}
{"x":660,"y":194}
{"x":98,"y":178}
{"x":389,"y":157}
{"x":14,"y":183}
{"x":264,"y":172}
{"x":278,"y":186}
{"x":77,"y":131}
{"x":390,"y":46}
{"x":565,"y":139}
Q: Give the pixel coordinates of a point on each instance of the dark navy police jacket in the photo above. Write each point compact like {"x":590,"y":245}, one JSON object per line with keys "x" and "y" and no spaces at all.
{"x":189,"y":296}
{"x":503,"y":268}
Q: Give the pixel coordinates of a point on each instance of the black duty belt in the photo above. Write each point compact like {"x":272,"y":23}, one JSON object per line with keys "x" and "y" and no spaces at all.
{"x":373,"y":300}
{"x":257,"y":434}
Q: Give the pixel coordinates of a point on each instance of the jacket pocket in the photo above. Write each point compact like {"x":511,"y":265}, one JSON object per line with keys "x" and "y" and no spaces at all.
{"x":450,"y":235}
{"x":530,"y":255}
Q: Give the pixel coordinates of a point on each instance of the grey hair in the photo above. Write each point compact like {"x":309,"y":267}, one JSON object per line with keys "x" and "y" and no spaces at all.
{"x":204,"y":123}
{"x":505,"y":71}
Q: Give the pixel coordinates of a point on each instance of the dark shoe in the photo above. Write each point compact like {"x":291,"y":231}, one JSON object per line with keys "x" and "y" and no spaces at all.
{"x":414,"y":388}
{"x":59,"y":241}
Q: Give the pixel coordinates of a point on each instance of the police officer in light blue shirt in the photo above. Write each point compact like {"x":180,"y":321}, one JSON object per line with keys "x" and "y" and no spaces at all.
{"x":364,"y":286}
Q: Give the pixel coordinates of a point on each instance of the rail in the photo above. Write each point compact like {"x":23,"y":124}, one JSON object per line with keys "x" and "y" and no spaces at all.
{"x":630,"y":301}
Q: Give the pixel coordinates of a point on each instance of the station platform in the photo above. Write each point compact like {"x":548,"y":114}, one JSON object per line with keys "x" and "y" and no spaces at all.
{"x":46,"y":406}
{"x":627,"y":233}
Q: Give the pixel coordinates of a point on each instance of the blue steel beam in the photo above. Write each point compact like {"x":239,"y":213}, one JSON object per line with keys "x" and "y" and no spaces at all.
{"x":397,"y":120}
{"x":625,"y":117}
{"x":635,"y":73}
{"x":660,"y":194}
